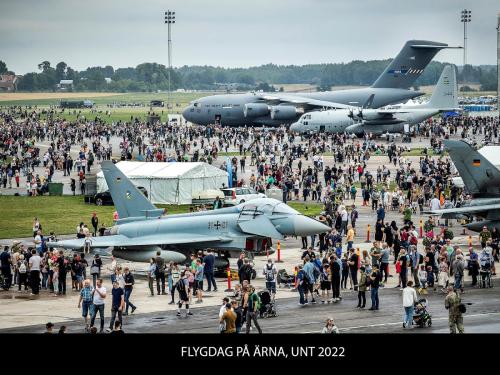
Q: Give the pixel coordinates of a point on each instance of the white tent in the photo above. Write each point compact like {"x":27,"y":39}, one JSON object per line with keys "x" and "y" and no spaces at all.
{"x":169,"y":183}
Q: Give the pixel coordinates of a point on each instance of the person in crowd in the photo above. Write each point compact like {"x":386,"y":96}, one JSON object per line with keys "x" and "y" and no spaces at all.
{"x":330,"y":327}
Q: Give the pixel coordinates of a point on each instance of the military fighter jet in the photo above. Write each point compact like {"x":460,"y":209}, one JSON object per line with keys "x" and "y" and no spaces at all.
{"x":141,"y":230}
{"x":379,"y":121}
{"x":272,"y":109}
{"x":482,"y":180}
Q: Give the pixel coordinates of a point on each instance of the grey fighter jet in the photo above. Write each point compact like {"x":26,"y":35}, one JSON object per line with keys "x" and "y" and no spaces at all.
{"x":272,"y":109}
{"x":482,"y":180}
{"x":379,"y":121}
{"x":141,"y":230}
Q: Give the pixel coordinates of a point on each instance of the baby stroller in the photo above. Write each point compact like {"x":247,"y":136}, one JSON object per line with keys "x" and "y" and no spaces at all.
{"x":421,"y":316}
{"x":395,"y":203}
{"x":285,"y":278}
{"x":267,"y":305}
{"x":485,"y":277}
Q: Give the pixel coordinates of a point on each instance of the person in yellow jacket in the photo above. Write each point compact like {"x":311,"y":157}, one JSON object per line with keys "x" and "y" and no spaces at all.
{"x":350,"y":237}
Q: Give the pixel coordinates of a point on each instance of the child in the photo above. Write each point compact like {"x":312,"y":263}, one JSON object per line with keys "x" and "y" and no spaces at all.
{"x":326,"y":285}
{"x":55,"y":280}
{"x":422,"y":276}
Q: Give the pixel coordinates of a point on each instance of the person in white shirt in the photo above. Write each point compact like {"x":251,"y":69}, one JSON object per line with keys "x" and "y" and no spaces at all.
{"x":409,"y":299}
{"x":34,"y":266}
{"x":99,"y":296}
{"x":435,"y":204}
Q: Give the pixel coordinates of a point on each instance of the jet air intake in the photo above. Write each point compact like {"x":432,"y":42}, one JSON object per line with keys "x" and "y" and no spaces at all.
{"x":256,"y":110}
{"x":285,"y":112}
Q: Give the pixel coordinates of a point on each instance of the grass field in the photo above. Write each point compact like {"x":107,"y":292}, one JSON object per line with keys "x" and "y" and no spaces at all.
{"x":63,"y":214}
{"x":101,"y":98}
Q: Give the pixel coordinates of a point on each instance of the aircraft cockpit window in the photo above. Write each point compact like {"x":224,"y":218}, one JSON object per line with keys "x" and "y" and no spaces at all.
{"x":282,"y":208}
{"x":250,"y":209}
{"x":267,"y":208}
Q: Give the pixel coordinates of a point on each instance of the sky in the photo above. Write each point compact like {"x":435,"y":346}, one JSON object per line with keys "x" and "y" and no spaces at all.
{"x":237,"y":33}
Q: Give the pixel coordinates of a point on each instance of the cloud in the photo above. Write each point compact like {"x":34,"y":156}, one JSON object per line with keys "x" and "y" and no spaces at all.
{"x":236,"y":33}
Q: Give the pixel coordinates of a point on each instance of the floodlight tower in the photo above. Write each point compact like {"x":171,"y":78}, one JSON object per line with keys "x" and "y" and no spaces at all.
{"x":465,"y":19}
{"x":498,"y":64}
{"x":169,"y":20}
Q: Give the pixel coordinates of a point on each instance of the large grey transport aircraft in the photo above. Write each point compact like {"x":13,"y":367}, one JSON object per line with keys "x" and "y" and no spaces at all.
{"x":482,"y":180}
{"x":141,"y":230}
{"x":273,"y":109}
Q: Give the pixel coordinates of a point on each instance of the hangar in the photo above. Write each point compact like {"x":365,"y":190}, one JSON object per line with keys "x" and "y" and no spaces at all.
{"x":169,"y":183}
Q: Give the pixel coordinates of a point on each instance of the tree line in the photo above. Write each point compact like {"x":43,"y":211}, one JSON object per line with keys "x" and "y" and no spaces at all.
{"x":149,"y":77}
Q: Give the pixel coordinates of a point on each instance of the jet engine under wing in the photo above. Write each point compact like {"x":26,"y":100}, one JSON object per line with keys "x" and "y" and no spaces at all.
{"x":124,"y":241}
{"x":260,"y":226}
{"x":467,"y":209}
{"x":300,"y":100}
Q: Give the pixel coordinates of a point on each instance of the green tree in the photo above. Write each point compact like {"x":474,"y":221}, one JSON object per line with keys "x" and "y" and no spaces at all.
{"x":3,"y":67}
{"x":61,"y":70}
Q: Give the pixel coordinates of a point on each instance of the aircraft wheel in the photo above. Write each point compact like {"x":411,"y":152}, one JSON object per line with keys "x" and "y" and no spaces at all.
{"x":242,"y":201}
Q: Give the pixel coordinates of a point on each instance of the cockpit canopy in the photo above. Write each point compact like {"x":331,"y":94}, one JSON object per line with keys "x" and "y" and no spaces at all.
{"x":266,"y":206}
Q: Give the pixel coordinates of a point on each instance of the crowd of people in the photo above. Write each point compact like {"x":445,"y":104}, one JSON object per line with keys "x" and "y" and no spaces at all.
{"x":276,"y":159}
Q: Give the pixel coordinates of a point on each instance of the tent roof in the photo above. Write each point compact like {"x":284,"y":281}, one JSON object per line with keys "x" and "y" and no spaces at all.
{"x":137,"y":169}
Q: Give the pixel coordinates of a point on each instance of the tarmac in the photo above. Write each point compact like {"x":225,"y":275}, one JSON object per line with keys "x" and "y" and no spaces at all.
{"x":20,"y":312}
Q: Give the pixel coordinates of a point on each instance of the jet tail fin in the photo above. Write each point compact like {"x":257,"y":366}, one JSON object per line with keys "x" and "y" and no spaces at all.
{"x":445,"y":95}
{"x":129,"y":201}
{"x":409,"y":64}
{"x":479,"y":175}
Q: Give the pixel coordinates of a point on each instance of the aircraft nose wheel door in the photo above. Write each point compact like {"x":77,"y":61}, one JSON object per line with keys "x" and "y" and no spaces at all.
{"x":218,"y":119}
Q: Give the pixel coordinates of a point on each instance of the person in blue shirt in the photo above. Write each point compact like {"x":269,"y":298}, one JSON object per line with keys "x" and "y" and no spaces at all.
{"x":380,"y":212}
{"x":309,"y":270}
{"x":117,"y":304}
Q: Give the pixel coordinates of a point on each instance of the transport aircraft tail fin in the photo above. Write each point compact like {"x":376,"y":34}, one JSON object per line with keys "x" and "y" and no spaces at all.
{"x":409,"y":64}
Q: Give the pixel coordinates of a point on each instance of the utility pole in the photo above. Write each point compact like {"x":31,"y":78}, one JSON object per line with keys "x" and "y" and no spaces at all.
{"x":466,"y":18}
{"x":169,"y":20}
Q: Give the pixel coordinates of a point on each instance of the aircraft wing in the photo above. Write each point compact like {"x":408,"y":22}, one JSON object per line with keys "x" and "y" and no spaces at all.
{"x":124,"y":241}
{"x":466,"y":209}
{"x":300,"y":100}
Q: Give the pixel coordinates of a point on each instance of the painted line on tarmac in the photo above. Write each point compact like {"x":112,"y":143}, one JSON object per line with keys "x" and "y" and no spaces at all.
{"x":399,"y":323}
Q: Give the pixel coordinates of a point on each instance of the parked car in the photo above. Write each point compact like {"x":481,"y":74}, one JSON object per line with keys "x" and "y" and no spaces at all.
{"x":234,"y":196}
{"x":104,"y":198}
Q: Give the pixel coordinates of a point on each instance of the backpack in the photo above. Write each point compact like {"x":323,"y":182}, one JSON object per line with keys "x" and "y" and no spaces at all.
{"x":22,"y":267}
{"x":413,"y":240}
{"x":269,"y":273}
{"x":259,"y":302}
{"x":180,"y":286}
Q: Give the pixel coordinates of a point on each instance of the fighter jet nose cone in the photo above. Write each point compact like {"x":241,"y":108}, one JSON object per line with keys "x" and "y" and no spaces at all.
{"x":294,"y":127}
{"x":305,"y":226}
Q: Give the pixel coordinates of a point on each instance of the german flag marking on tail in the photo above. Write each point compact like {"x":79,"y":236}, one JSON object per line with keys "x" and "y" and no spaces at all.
{"x":476,"y":162}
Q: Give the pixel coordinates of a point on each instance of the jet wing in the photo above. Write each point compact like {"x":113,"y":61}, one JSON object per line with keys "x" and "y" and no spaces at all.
{"x":466,"y":209}
{"x":124,"y":241}
{"x":260,"y":226}
{"x":300,"y":100}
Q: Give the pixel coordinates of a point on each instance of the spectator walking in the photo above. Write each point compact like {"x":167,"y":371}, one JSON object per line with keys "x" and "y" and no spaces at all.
{"x":99,"y":296}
